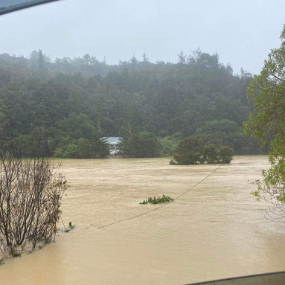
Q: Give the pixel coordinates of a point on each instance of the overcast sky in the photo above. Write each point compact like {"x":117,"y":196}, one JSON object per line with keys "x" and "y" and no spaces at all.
{"x":242,"y":32}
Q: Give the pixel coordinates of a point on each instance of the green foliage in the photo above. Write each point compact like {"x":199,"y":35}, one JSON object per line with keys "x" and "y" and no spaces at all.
{"x":158,"y":200}
{"x":64,"y":107}
{"x":81,"y":148}
{"x":267,"y":121}
{"x":211,"y":154}
{"x":26,"y":145}
{"x":226,"y":154}
{"x":70,"y":227}
{"x":139,"y":145}
{"x":78,"y":138}
{"x":191,"y":151}
{"x":226,"y":132}
{"x":169,"y":144}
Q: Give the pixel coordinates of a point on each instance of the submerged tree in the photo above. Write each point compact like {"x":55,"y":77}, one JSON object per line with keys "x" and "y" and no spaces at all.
{"x":226,"y":154}
{"x":211,"y":153}
{"x":189,"y":151}
{"x":267,"y":121}
{"x":30,"y":198}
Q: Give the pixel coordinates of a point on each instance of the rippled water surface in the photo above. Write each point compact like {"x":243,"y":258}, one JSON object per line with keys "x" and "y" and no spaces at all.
{"x":215,"y":230}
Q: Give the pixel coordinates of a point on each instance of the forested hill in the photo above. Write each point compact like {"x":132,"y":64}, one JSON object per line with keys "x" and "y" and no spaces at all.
{"x":64,"y":107}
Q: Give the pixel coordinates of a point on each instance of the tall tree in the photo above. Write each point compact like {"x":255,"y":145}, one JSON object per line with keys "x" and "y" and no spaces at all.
{"x":267,"y":121}
{"x":181,"y":58}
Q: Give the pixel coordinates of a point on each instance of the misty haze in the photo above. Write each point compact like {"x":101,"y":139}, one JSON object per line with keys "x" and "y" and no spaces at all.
{"x":142,"y":142}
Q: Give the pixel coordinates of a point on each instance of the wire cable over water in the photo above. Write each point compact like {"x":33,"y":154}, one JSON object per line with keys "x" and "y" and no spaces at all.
{"x":157,"y":208}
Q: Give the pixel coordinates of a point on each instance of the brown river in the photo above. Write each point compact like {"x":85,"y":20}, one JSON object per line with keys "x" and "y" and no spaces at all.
{"x":216,"y":230}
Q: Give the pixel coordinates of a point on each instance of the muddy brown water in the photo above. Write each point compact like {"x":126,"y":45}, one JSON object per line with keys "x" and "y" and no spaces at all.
{"x":216,"y":230}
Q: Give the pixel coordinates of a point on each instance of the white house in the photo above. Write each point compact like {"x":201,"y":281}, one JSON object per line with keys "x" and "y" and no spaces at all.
{"x":113,"y":143}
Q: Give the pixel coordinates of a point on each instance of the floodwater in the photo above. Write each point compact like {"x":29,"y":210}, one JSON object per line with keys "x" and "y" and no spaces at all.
{"x":216,"y":230}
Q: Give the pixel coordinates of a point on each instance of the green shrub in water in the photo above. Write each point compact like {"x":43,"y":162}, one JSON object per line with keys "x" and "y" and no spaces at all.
{"x":158,"y":200}
{"x":70,"y":227}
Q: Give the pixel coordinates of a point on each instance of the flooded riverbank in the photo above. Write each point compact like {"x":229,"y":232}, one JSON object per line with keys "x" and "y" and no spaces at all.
{"x":216,"y":230}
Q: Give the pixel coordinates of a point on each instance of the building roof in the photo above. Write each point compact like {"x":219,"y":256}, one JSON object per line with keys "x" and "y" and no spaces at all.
{"x":112,"y":140}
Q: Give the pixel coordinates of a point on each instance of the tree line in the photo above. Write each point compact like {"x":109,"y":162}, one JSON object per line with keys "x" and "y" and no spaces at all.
{"x":267,"y":122}
{"x":63,"y":108}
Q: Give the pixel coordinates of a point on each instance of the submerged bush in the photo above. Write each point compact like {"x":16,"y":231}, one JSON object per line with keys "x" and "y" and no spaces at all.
{"x":70,"y":227}
{"x":226,"y":154}
{"x":191,"y":151}
{"x":158,"y":200}
{"x":31,"y":191}
{"x":211,"y":154}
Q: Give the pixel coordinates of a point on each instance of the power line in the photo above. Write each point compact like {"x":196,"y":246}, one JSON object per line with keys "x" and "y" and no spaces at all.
{"x":157,"y":208}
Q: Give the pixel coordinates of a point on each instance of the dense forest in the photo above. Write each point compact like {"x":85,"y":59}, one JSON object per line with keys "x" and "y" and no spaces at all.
{"x":63,"y":108}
